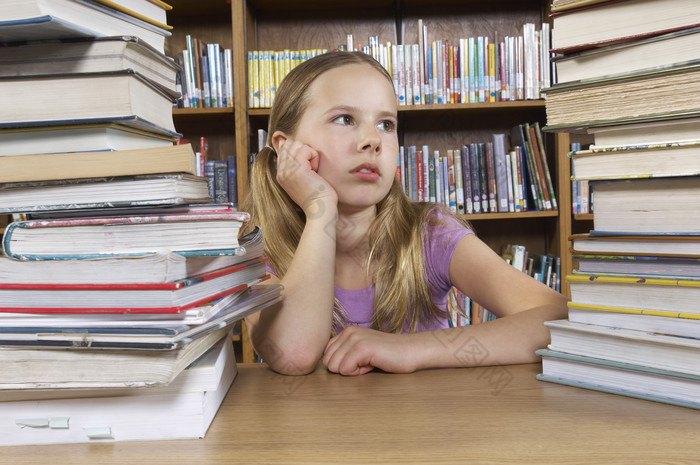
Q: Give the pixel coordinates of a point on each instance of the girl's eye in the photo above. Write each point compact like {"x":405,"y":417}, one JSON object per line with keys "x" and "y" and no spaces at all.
{"x":387,"y":125}
{"x":343,"y":119}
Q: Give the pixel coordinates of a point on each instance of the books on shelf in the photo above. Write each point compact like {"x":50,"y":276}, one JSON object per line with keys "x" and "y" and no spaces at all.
{"x":77,"y":138}
{"x":124,"y":97}
{"x":670,"y":245}
{"x":88,"y":55}
{"x":629,"y":56}
{"x":598,"y":23}
{"x":206,"y":77}
{"x":58,"y":19}
{"x":150,"y":268}
{"x":81,"y":165}
{"x":183,"y":409}
{"x":655,"y":205}
{"x":429,"y":70}
{"x":637,"y":161}
{"x":508,"y":173}
{"x":651,"y":95}
{"x":136,"y":234}
{"x":654,"y":384}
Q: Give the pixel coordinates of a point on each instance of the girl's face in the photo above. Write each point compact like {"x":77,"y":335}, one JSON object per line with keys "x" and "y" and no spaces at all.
{"x":351,"y":122}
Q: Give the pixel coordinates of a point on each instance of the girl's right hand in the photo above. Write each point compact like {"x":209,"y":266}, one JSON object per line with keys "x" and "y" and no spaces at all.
{"x":297,"y":166}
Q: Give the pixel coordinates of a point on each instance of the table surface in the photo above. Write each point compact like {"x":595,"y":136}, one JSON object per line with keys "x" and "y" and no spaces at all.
{"x":493,"y":415}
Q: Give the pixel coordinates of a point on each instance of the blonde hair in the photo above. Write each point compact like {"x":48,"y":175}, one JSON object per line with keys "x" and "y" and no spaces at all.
{"x":402,"y":295}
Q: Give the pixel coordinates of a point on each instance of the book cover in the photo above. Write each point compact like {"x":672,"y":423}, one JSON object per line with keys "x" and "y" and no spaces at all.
{"x":630,"y":291}
{"x":135,"y":336}
{"x":172,"y":297}
{"x":671,"y":323}
{"x":111,"y":236}
{"x":668,"y":245}
{"x":652,"y":350}
{"x":653,"y":384}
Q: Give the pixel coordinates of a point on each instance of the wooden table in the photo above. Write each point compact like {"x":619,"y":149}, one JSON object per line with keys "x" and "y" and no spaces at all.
{"x":486,"y":415}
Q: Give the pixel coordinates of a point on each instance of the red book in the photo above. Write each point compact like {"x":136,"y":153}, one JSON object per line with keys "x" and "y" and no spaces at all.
{"x":173,"y":297}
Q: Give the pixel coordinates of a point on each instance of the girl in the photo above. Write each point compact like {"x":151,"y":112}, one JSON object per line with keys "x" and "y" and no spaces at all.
{"x":366,"y":271}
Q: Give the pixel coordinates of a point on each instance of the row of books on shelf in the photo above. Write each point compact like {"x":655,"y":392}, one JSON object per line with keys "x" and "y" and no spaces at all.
{"x":221,"y":175}
{"x":482,"y":177}
{"x":545,"y":268}
{"x":206,"y":78}
{"x":633,"y":325}
{"x":439,"y":71}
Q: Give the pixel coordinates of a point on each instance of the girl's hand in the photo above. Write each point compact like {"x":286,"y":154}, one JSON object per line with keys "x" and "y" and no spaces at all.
{"x":297,"y":166}
{"x":357,"y":350}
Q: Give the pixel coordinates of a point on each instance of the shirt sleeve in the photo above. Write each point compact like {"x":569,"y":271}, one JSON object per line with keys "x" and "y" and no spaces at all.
{"x":441,"y":239}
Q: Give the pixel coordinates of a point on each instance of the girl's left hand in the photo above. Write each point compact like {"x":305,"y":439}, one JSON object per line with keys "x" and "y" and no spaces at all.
{"x":357,"y":350}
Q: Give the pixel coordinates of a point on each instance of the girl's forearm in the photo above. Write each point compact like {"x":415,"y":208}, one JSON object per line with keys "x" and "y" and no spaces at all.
{"x":504,"y":341}
{"x":292,"y":335}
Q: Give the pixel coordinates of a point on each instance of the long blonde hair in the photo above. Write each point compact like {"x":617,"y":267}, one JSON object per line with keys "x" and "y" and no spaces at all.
{"x":402,"y":296}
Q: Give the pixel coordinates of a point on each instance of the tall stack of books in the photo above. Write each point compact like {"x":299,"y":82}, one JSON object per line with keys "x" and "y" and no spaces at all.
{"x":632,"y":83}
{"x":118,"y":272}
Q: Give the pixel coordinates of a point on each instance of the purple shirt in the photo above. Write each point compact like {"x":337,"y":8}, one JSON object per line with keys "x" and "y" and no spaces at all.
{"x":440,"y":243}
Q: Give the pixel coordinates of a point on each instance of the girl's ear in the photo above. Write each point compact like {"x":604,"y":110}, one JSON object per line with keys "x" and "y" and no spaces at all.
{"x":278,"y":139}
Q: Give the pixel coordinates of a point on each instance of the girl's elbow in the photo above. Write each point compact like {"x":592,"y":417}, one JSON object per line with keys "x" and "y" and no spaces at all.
{"x":294,"y":362}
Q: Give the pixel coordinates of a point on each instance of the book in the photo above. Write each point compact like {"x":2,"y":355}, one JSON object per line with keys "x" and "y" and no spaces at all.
{"x":643,"y":134}
{"x":57,"y":19}
{"x":77,"y":138}
{"x":122,"y":191}
{"x":150,"y":11}
{"x":658,"y":385}
{"x":639,"y":265}
{"x":159,"y":267}
{"x":637,"y":319}
{"x":135,"y":335}
{"x":601,"y":23}
{"x":654,"y":205}
{"x":89,"y":55}
{"x":81,"y":165}
{"x":637,"y":161}
{"x":135,"y":297}
{"x":680,"y":354}
{"x":112,"y":236}
{"x":183,"y":409}
{"x":46,"y":368}
{"x":125,"y":98}
{"x":675,"y":295}
{"x":653,"y":95}
{"x":628,"y":57}
{"x":669,"y":245}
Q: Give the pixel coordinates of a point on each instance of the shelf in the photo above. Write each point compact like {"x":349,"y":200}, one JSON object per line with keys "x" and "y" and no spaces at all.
{"x":446,"y":108}
{"x":202,"y":111}
{"x":584,"y":217}
{"x":512,"y":216}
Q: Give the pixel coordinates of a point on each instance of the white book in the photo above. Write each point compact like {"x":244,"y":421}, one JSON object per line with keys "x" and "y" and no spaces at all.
{"x":183,"y":409}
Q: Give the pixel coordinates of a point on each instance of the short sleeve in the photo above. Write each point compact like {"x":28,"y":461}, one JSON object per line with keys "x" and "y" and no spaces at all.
{"x":441,"y":238}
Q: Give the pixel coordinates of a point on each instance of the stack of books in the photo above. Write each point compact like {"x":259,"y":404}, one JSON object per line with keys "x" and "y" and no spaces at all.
{"x":634,"y":324}
{"x":118,"y":272}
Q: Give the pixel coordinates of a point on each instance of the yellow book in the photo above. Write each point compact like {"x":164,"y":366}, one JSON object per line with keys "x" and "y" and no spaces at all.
{"x":492,"y":72}
{"x":117,"y":5}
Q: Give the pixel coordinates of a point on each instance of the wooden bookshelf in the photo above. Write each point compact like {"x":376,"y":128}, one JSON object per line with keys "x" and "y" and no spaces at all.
{"x":247,"y":25}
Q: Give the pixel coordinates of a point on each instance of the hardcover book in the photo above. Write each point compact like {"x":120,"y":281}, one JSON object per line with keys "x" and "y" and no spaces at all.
{"x":114,"y":236}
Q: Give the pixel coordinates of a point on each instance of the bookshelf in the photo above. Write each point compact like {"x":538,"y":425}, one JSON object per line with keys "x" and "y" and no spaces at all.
{"x":247,"y":25}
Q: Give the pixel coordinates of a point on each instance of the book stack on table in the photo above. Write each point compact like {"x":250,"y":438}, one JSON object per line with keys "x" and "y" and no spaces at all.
{"x":634,"y":323}
{"x":120,"y":279}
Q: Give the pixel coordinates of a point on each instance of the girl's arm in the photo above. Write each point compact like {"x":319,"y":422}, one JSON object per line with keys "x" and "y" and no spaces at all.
{"x":522,"y":304}
{"x":291,"y":335}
